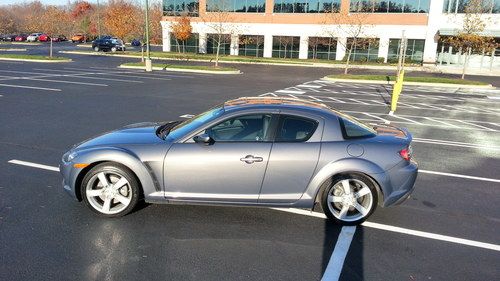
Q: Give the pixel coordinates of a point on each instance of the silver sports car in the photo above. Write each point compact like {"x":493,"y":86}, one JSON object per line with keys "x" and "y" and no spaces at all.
{"x":272,"y":152}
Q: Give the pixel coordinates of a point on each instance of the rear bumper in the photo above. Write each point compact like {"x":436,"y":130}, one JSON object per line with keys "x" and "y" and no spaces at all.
{"x":398,"y":183}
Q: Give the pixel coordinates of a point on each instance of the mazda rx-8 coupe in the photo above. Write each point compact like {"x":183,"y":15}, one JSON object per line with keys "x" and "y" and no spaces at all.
{"x":254,"y":151}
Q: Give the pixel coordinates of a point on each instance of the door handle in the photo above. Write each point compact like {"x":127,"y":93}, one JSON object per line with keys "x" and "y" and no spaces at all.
{"x":249,"y":159}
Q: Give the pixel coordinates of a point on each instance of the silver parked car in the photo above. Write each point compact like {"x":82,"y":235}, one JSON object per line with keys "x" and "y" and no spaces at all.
{"x":248,"y":151}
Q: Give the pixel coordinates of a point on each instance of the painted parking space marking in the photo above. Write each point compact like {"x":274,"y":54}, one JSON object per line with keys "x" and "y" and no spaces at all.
{"x":34,"y":165}
{"x":290,"y":92}
{"x":30,"y":87}
{"x":476,"y":125}
{"x":458,"y":176}
{"x":126,"y":71}
{"x":441,"y":122}
{"x":401,"y":230}
{"x":66,"y":82}
{"x":106,"y":73}
{"x":406,"y":119}
{"x":188,"y":116}
{"x":336,"y":262}
{"x":455,"y":143}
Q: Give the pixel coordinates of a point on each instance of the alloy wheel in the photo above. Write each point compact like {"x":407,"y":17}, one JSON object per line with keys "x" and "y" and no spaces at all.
{"x":108,"y":192}
{"x":350,"y":200}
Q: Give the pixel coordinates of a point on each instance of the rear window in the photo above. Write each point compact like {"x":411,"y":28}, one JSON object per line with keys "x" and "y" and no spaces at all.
{"x":352,"y":128}
{"x":295,"y":129}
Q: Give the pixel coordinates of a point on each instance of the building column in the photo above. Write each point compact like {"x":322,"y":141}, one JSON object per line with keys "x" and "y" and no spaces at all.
{"x":235,"y":44}
{"x":340,"y":52}
{"x":165,"y":29}
{"x":303,"y":47}
{"x":383,"y":48}
{"x":431,"y":40}
{"x":202,"y":43}
{"x":268,"y":46}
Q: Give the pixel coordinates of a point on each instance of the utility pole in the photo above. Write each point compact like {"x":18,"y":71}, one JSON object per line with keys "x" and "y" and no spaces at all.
{"x":149,"y":66}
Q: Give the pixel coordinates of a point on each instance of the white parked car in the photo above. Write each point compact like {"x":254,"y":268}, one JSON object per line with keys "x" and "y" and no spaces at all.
{"x":33,"y":37}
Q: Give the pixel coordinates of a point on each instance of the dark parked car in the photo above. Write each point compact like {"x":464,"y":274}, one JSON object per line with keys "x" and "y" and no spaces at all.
{"x":7,"y":37}
{"x":59,"y":38}
{"x":108,"y":44}
{"x":135,"y":43}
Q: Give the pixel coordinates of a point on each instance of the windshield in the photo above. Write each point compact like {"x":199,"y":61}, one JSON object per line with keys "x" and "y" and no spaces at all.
{"x":191,"y":124}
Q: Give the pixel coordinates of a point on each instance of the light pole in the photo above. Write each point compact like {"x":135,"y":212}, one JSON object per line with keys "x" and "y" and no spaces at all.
{"x":149,"y":66}
{"x":98,"y":21}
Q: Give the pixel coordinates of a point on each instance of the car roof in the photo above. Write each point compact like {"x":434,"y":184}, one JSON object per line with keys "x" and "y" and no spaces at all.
{"x":277,"y":103}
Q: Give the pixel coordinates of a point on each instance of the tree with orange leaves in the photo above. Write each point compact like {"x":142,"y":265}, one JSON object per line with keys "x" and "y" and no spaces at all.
{"x":182,"y":31}
{"x":54,"y":21}
{"x":123,"y":19}
{"x":81,"y":13}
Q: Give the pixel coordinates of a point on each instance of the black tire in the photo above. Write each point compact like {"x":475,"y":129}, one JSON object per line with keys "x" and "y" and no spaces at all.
{"x":116,"y":169}
{"x":336,"y":180}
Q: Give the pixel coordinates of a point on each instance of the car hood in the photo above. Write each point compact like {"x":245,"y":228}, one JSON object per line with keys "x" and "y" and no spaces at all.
{"x":139,"y":133}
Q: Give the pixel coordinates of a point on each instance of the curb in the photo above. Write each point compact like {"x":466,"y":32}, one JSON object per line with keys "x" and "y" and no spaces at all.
{"x":183,"y":70}
{"x":443,"y":85}
{"x":304,"y":64}
{"x":12,"y":50}
{"x":36,"y":60}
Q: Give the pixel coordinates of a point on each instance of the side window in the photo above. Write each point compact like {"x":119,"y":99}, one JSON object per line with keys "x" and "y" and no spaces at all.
{"x":295,"y":129}
{"x":246,"y":128}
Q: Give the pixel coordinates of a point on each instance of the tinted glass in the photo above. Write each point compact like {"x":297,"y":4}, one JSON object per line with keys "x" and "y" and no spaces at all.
{"x":242,"y":128}
{"x":295,"y":129}
{"x":352,"y":128}
{"x":191,"y":124}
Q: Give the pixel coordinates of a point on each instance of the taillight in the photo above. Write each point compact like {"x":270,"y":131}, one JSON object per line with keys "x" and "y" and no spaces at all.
{"x":405,"y":153}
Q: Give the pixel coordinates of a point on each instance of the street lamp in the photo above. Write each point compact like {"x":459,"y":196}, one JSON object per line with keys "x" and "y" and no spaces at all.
{"x":149,"y":66}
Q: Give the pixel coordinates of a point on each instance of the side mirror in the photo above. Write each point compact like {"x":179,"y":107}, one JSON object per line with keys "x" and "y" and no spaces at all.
{"x":203,"y":138}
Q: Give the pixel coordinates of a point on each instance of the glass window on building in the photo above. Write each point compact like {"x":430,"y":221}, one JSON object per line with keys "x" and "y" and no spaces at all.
{"x":306,"y":6}
{"x":322,"y":48}
{"x":363,"y":49}
{"x":459,"y":6}
{"x":213,"y":42}
{"x":236,"y":6}
{"x":251,"y":45}
{"x":191,"y":45}
{"x":286,"y":46}
{"x":390,"y":6}
{"x":181,"y":7}
{"x":414,"y":50}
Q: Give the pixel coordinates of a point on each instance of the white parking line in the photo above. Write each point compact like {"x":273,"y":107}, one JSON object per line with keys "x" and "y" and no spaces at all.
{"x":105,"y":73}
{"x":457,"y":176}
{"x":442,"y":122}
{"x":34,"y":165}
{"x":67,"y":82}
{"x":423,"y":234}
{"x":476,"y":125}
{"x":334,"y":267}
{"x":29,"y":87}
{"x":188,"y":116}
{"x":290,"y":92}
{"x":455,"y":143}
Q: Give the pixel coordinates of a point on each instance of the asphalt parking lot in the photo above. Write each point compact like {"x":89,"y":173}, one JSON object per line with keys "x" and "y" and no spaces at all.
{"x":448,"y":230}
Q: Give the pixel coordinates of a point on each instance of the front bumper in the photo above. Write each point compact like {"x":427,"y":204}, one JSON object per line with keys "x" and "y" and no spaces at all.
{"x":69,"y":175}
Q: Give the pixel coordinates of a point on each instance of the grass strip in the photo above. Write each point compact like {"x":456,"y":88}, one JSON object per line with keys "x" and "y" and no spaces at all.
{"x":408,"y":79}
{"x":180,"y":66}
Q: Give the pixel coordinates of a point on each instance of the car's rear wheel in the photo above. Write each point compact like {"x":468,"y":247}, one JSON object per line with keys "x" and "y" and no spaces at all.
{"x":113,"y":49}
{"x":110,"y":190}
{"x":350,"y":199}
{"x":96,"y":49}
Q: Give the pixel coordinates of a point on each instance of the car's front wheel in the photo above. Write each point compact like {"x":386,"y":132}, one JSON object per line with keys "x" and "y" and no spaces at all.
{"x":350,"y":199}
{"x":110,"y":190}
{"x":96,"y":49}
{"x":113,"y":49}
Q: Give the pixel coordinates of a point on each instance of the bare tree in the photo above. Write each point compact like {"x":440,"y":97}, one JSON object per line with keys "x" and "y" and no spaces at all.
{"x":469,"y":39}
{"x":218,"y":20}
{"x":354,"y":26}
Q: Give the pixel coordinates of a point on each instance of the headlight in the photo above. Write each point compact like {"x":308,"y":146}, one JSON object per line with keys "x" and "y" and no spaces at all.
{"x":71,"y":156}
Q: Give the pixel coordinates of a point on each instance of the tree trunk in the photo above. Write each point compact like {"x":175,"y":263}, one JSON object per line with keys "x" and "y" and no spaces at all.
{"x":348,"y":59}
{"x":466,"y":61}
{"x":50,"y":48}
{"x":218,"y":51}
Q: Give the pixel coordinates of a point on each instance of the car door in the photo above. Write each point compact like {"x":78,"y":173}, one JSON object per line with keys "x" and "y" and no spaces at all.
{"x":293,"y":158}
{"x":230,"y":168}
